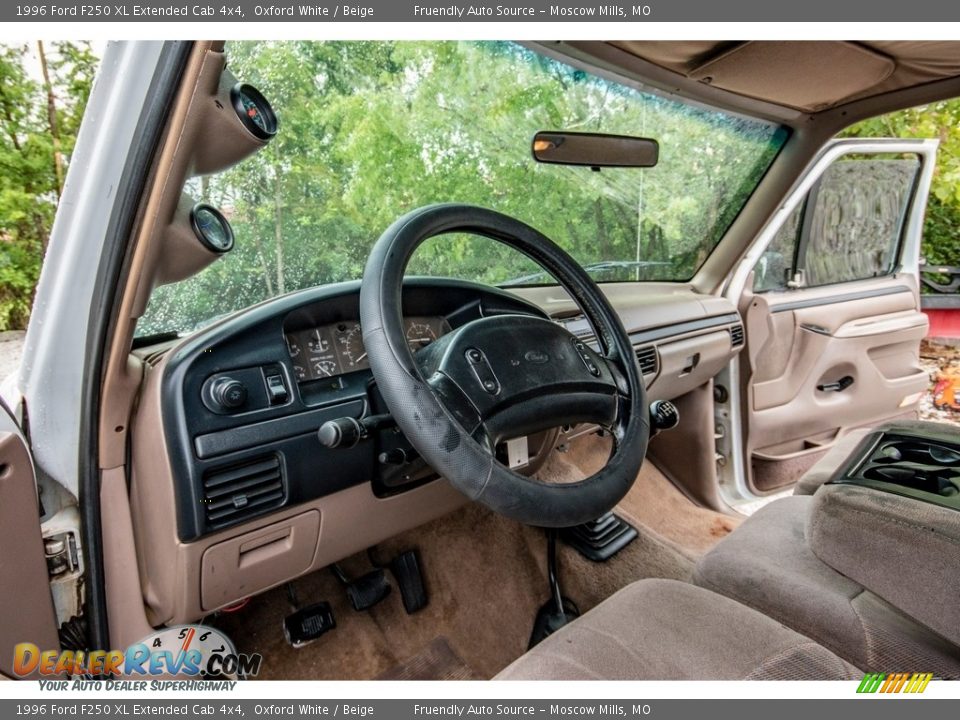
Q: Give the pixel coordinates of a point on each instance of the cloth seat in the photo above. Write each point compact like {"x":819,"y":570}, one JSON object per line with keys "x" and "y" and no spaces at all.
{"x":670,"y":630}
{"x":767,"y":564}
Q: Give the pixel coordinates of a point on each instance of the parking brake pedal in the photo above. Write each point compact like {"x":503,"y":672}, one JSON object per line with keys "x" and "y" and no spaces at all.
{"x":367,"y":590}
{"x":304,"y":625}
{"x":406,"y":569}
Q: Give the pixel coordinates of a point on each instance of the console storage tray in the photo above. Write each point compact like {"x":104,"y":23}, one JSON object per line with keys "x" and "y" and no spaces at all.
{"x":923,"y":466}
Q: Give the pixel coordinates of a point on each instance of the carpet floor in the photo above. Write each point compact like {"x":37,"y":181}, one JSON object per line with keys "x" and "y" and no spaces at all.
{"x":486,"y":578}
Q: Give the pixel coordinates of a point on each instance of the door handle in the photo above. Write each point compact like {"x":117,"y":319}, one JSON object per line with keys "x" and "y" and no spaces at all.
{"x":838,"y":386}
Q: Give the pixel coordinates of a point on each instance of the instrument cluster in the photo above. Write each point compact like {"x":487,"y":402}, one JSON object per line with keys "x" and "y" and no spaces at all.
{"x":336,"y":349}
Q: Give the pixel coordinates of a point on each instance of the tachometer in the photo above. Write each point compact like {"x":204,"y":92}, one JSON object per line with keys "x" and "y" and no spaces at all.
{"x":419,"y":335}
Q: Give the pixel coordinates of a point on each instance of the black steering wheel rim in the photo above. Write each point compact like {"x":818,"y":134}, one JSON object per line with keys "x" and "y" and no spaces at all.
{"x":438,"y":434}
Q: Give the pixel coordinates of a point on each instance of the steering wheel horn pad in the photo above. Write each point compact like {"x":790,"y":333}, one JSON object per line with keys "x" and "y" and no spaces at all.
{"x":504,"y":376}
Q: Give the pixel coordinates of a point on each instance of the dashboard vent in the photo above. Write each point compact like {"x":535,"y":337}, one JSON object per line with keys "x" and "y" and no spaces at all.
{"x":736,"y":335}
{"x":239,"y":491}
{"x":647,"y":359}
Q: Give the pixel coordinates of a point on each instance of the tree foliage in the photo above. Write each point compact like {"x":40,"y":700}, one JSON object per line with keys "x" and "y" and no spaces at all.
{"x":371,"y":130}
{"x":28,"y":177}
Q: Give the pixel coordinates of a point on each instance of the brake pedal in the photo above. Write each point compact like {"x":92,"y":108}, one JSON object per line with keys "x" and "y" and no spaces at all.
{"x":305,"y":625}
{"x":413,"y":591}
{"x":367,"y":590}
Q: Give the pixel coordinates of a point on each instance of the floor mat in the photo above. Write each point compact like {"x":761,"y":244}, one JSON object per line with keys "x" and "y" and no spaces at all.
{"x":437,"y":661}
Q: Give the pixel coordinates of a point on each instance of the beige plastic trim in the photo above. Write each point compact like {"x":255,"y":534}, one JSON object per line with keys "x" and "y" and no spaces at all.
{"x":123,"y":370}
{"x":183,"y":254}
{"x":686,"y":454}
{"x":27,"y":607}
{"x":172,"y":571}
{"x":128,"y":621}
{"x":252,"y":562}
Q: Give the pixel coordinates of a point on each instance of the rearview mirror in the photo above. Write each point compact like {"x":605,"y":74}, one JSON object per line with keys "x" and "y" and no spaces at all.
{"x":594,"y":150}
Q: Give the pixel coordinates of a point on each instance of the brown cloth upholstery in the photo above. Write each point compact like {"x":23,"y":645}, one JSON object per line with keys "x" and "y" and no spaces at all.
{"x":670,"y":630}
{"x":907,"y":551}
{"x":768,"y":564}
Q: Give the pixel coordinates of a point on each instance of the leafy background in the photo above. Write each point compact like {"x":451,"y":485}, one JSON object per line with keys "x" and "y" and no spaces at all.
{"x":372,"y":129}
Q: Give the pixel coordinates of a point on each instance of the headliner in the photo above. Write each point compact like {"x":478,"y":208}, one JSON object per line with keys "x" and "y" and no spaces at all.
{"x":806,"y":76}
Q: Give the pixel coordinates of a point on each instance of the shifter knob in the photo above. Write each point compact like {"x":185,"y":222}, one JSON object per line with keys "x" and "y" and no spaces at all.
{"x":663,"y":415}
{"x":342,"y":432}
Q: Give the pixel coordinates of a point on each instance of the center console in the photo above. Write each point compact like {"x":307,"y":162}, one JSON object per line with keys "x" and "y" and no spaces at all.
{"x":889,"y":520}
{"x":922,"y":463}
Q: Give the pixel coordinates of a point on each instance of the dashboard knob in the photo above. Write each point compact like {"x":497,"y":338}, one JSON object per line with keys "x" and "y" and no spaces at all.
{"x":342,"y":432}
{"x":663,"y":415}
{"x":396,"y":456}
{"x":229,"y":393}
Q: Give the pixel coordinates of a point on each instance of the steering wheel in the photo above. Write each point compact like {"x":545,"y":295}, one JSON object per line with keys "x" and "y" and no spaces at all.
{"x":505,"y":376}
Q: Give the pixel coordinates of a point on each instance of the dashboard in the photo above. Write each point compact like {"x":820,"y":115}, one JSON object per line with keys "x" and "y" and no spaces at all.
{"x":232,"y":492}
{"x":337,"y":348}
{"x":242,"y":401}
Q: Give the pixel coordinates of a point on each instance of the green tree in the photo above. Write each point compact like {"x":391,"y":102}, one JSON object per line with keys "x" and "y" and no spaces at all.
{"x":38,"y":120}
{"x":371,"y":130}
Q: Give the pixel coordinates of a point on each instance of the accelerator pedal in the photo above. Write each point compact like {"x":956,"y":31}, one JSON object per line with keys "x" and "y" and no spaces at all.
{"x":413,"y":591}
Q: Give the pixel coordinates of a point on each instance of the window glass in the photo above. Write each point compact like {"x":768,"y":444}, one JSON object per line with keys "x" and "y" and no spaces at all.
{"x":848,"y":227}
{"x":776,"y":265}
{"x":372,"y":130}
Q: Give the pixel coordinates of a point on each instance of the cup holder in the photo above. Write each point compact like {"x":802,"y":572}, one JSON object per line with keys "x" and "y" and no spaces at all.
{"x":898,"y":462}
{"x":917,"y":451}
{"x":936,"y":482}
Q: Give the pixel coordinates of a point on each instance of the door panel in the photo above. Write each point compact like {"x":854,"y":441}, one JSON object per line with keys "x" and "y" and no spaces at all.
{"x":28,"y":614}
{"x":832,"y":321}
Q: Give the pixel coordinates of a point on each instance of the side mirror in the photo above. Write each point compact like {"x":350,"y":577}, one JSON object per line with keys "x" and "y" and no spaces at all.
{"x":595,"y":150}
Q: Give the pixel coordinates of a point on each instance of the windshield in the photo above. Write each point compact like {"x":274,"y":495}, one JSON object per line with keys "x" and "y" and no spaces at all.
{"x":371,"y":130}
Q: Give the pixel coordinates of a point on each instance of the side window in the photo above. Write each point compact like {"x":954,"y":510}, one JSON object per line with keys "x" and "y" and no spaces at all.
{"x":775,"y":267}
{"x":848,"y":227}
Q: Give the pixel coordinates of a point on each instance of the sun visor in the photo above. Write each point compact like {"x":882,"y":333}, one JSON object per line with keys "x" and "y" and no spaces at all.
{"x":792,"y":73}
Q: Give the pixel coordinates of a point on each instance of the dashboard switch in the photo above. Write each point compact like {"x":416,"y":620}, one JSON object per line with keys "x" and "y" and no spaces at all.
{"x":277,"y":389}
{"x":483,"y":372}
{"x":229,"y":393}
{"x":396,"y":456}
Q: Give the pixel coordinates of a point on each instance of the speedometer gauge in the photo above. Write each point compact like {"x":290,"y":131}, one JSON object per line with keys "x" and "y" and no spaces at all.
{"x":350,"y":345}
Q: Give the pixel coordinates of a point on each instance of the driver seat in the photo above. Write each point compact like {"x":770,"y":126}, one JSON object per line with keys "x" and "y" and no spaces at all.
{"x":671,"y":630}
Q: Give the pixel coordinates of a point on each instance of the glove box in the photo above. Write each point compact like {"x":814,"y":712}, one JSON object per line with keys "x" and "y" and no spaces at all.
{"x":258,"y":560}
